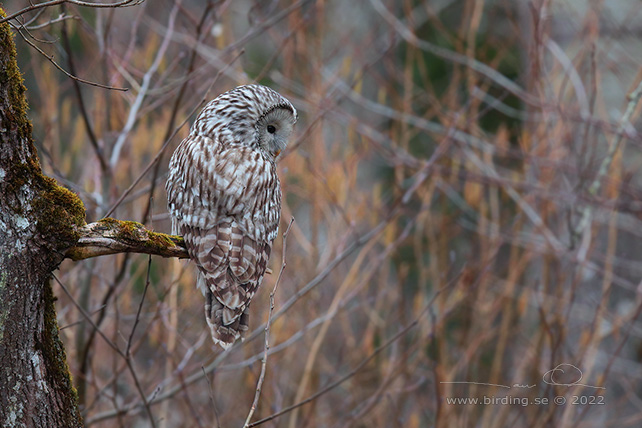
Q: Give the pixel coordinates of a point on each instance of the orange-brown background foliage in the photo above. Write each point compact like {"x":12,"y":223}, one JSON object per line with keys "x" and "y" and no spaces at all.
{"x":464,"y":179}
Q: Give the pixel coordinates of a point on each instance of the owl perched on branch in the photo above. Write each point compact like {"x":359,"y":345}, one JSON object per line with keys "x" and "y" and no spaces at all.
{"x":224,"y":198}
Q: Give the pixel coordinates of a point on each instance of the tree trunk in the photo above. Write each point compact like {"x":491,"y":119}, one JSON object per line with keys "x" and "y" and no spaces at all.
{"x":39,"y":221}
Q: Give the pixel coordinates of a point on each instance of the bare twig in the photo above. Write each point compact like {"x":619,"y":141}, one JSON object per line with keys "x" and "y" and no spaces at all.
{"x":27,"y":24}
{"x":177,"y":103}
{"x":124,"y":3}
{"x":451,"y":56}
{"x":257,"y":30}
{"x":50,"y":58}
{"x":212,"y":400}
{"x":113,"y":346}
{"x":61,"y":18}
{"x":352,"y":372}
{"x":81,"y":104}
{"x":169,"y":140}
{"x":88,"y":317}
{"x":586,"y":212}
{"x":259,"y":384}
{"x":142,"y":93}
{"x":140,"y":308}
{"x":128,"y":354}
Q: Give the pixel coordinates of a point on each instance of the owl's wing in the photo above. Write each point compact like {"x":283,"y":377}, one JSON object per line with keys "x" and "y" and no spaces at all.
{"x":228,"y":215}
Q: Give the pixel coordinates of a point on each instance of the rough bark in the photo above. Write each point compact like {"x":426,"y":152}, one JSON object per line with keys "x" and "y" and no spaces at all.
{"x":38,"y":223}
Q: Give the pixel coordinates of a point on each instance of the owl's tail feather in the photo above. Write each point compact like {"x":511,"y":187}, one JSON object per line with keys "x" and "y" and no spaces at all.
{"x":224,"y":334}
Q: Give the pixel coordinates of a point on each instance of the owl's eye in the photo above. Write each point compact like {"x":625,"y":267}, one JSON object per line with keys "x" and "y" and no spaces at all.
{"x":271,"y":129}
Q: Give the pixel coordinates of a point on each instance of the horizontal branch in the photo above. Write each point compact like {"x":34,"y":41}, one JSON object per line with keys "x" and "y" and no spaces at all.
{"x":111,"y":236}
{"x":123,"y":3}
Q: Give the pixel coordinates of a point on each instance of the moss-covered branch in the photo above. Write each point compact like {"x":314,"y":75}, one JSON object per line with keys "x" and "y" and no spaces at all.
{"x":110,"y":236}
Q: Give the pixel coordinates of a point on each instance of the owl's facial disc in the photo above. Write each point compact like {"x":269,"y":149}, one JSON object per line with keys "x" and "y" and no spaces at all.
{"x":274,"y":130}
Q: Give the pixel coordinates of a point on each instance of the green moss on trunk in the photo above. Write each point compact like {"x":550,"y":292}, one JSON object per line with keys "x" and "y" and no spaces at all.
{"x":57,"y":211}
{"x":55,"y":359}
{"x":49,"y":217}
{"x":11,"y":81}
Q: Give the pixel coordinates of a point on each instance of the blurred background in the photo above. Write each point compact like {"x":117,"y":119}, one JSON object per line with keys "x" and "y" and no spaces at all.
{"x":467,"y":203}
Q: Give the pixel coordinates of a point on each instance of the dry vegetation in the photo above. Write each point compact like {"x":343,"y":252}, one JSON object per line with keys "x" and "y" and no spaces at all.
{"x":466,"y":199}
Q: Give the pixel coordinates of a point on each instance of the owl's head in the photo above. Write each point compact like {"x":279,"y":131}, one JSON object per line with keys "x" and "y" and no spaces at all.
{"x":250,"y":115}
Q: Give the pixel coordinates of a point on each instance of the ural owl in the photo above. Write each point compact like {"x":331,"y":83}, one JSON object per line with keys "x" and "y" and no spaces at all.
{"x":224,"y":198}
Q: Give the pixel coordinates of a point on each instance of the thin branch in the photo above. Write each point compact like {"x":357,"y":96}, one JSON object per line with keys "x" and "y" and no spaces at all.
{"x":594,"y":188}
{"x":60,"y":18}
{"x":266,"y":348}
{"x":352,"y":372}
{"x":212,"y":400}
{"x":110,"y":236}
{"x":126,"y":356}
{"x":257,"y":30}
{"x":449,"y":55}
{"x":33,"y":19}
{"x":51,"y":60}
{"x":128,"y":353}
{"x":140,"y":308}
{"x":81,"y":103}
{"x":88,"y":317}
{"x":147,"y":78}
{"x":531,"y":213}
{"x":124,"y":3}
{"x":177,"y":102}
{"x":162,"y":149}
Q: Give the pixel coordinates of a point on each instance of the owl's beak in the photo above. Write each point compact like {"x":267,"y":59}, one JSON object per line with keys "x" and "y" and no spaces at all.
{"x":277,"y":153}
